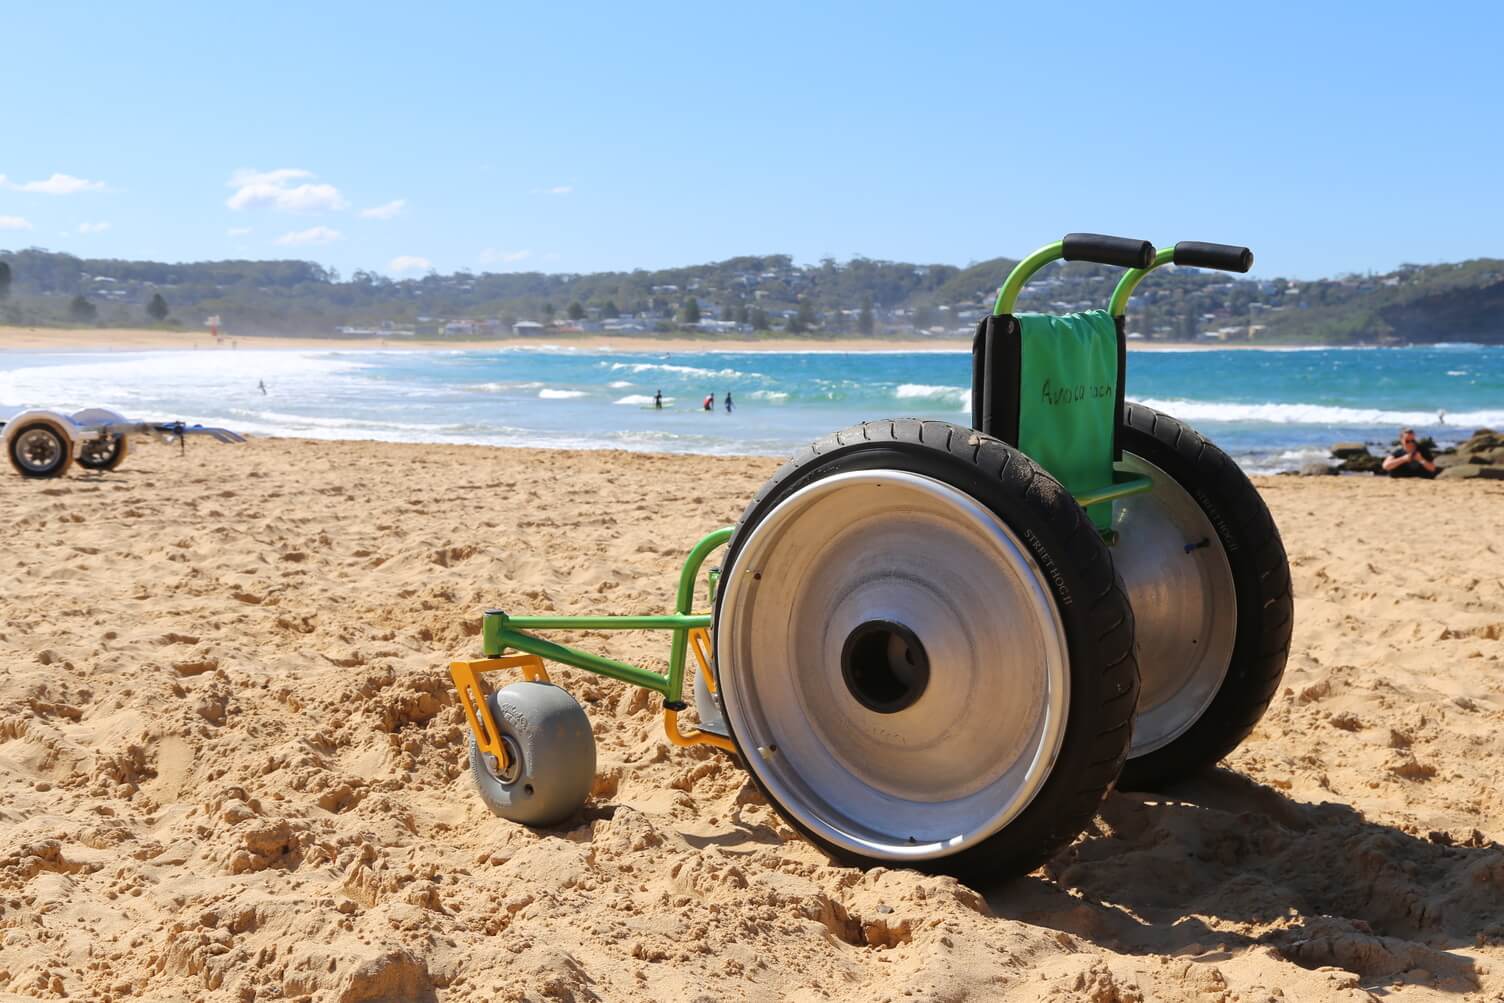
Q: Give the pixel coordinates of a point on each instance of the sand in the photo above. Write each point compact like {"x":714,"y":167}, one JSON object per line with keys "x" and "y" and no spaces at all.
{"x":93,"y":339}
{"x":231,"y":767}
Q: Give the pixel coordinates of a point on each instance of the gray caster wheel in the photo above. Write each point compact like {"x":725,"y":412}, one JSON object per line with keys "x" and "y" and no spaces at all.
{"x":552,"y":751}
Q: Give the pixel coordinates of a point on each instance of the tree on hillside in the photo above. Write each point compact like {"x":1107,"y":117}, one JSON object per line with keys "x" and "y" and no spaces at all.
{"x":743,"y":315}
{"x":609,"y":310}
{"x":548,"y":311}
{"x":157,"y":308}
{"x":4,"y":282}
{"x":924,"y":317}
{"x":758,"y":318}
{"x":807,"y":318}
{"x":82,"y":310}
{"x":691,"y":312}
{"x":576,"y":311}
{"x":794,"y":325}
{"x":864,"y":320}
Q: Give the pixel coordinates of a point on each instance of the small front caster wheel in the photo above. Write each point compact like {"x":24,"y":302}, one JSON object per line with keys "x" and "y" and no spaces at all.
{"x":102,"y":454}
{"x":551,"y":751}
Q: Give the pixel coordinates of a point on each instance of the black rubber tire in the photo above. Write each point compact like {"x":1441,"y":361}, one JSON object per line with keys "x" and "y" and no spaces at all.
{"x":1094,"y":610}
{"x":58,"y":468}
{"x":90,"y":461}
{"x":1261,"y":579}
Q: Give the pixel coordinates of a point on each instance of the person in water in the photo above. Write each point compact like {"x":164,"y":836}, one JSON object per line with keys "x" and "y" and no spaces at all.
{"x":728,"y":401}
{"x":1411,"y":459}
{"x":262,"y":385}
{"x":708,"y":403}
{"x":658,"y":400}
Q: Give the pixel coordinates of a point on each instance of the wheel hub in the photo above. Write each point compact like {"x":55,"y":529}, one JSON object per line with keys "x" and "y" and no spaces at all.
{"x":884,"y":666}
{"x":1185,"y":612}
{"x":39,"y":448}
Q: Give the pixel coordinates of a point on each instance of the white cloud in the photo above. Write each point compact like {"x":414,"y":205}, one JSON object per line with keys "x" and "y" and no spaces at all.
{"x":57,"y":184}
{"x":13,"y":223}
{"x":93,"y":227}
{"x":277,"y":190}
{"x":386,"y":211}
{"x":491,"y":256}
{"x":557,"y":190}
{"x":408,"y":263}
{"x":238,"y":231}
{"x":312,"y":235}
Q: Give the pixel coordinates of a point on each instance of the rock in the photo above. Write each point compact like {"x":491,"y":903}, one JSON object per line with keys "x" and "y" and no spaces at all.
{"x":1472,"y":471}
{"x":1364,"y":464}
{"x":1494,"y":456}
{"x":1348,"y":450}
{"x":1452,"y":460}
{"x":1317,"y":470}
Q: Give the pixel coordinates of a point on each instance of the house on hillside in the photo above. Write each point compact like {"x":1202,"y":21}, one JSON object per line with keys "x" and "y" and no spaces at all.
{"x":526,"y":328}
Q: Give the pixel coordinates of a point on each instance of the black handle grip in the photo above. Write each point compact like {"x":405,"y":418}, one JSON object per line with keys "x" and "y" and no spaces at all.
{"x":1223,"y":257}
{"x":1125,"y":252}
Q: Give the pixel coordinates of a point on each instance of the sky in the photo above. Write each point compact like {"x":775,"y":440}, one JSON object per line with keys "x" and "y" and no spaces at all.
{"x":1330,"y":138}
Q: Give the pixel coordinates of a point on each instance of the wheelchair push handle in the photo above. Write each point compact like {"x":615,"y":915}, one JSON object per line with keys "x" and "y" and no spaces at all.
{"x":1124,"y":252}
{"x":1222,"y":257}
{"x":1191,"y":253}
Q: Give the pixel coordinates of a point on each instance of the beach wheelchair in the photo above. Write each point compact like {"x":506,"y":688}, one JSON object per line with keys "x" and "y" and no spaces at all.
{"x":937,"y":646}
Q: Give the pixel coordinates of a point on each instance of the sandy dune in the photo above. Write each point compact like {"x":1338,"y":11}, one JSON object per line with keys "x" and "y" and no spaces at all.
{"x":231,"y":767}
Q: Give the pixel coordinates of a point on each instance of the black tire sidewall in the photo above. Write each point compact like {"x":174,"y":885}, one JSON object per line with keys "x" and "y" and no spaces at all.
{"x":116,"y":457}
{"x":1039,"y":830}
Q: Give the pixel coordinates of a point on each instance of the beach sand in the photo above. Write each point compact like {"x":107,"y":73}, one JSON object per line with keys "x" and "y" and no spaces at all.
{"x":231,"y":767}
{"x":91,"y":339}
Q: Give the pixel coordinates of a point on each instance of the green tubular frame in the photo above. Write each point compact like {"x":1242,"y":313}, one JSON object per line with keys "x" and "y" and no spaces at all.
{"x":1007,"y":296}
{"x":500,"y":631}
{"x":1118,"y":305}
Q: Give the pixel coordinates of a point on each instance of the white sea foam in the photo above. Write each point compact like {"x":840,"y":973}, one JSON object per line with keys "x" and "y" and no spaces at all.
{"x":550,"y":394}
{"x":769,"y":395}
{"x":1314,"y":414}
{"x":668,"y":367}
{"x":640,"y":399}
{"x":922,"y":391}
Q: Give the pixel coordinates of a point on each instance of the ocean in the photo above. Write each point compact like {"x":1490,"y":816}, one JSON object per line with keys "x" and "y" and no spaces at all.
{"x":1270,"y":409}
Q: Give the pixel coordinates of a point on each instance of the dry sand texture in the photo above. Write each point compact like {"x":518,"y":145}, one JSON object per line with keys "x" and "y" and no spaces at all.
{"x":231,"y":767}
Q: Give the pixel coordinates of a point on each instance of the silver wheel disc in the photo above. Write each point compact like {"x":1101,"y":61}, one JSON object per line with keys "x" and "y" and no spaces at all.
{"x":39,"y":448}
{"x":893,"y":664}
{"x":1185,"y":610}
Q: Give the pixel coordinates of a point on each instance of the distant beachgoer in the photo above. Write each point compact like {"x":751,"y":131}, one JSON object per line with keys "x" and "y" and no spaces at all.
{"x":708,"y":403}
{"x":658,"y":400}
{"x":1411,"y":459}
{"x":728,"y":401}
{"x":262,"y":385}
{"x":1441,"y":417}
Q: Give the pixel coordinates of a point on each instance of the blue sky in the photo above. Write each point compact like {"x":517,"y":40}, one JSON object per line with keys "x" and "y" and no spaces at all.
{"x":395,"y":137}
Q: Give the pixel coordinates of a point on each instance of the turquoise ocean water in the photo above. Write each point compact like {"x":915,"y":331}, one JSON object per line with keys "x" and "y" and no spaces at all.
{"x":1271,"y":410}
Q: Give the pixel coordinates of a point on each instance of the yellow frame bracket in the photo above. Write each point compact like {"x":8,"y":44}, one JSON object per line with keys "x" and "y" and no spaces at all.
{"x":472,"y":691}
{"x":699,"y":643}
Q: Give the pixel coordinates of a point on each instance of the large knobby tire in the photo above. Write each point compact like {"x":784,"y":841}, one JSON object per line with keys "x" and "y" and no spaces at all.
{"x":924,"y":653}
{"x":1207,"y":575}
{"x":40,"y":449}
{"x":103,"y":454}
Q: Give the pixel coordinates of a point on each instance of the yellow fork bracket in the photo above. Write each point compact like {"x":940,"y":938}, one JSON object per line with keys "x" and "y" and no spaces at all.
{"x":699,"y":643}
{"x":697,"y":737}
{"x":472,"y":690}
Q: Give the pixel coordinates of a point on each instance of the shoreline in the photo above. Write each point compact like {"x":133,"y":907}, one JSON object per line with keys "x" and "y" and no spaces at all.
{"x":45,"y":339}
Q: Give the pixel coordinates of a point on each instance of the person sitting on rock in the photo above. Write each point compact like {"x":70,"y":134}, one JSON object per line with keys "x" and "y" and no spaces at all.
{"x":1411,"y":459}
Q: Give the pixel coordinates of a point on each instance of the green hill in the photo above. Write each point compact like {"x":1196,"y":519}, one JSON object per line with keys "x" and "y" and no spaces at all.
{"x":1413,"y":304}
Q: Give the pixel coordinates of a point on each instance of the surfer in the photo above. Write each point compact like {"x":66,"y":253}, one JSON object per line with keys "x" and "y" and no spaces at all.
{"x":728,"y":401}
{"x":658,"y":400}
{"x":261,"y":384}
